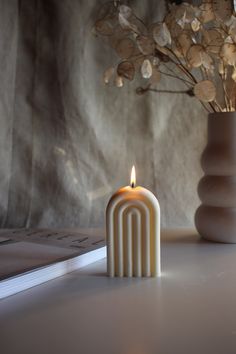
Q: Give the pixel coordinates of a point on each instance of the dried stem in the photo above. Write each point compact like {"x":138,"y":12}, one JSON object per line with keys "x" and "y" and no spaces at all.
{"x":169,"y":91}
{"x":205,"y":107}
{"x":182,"y":67}
{"x":226,"y":96}
{"x":223,"y":86}
{"x":212,"y":106}
{"x":176,"y":77}
{"x":142,"y":90}
{"x":218,"y":106}
{"x":174,"y":73}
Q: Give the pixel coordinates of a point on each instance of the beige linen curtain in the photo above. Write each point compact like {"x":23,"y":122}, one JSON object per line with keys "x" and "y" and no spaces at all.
{"x":67,"y":141}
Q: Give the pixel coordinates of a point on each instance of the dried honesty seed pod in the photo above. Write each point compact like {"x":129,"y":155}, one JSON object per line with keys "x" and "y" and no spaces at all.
{"x":221,"y":69}
{"x":187,"y":17}
{"x":212,"y":40}
{"x":161,"y":35}
{"x":195,"y":25}
{"x":108,"y":73}
{"x":125,"y":24}
{"x":172,"y":25}
{"x":228,"y":53}
{"x":229,"y":39}
{"x":205,"y":91}
{"x":184,"y":12}
{"x":125,"y":11}
{"x":177,"y":50}
{"x":194,"y":55}
{"x":230,"y":21}
{"x":118,"y":34}
{"x":142,"y":29}
{"x":138,"y":61}
{"x":119,"y":81}
{"x":223,"y":9}
{"x":145,"y":44}
{"x":232,"y":28}
{"x":104,"y":27}
{"x":126,"y":69}
{"x":182,"y":22}
{"x":125,"y":48}
{"x":234,"y":74}
{"x":207,"y":62}
{"x":146,"y":69}
{"x":123,"y":21}
{"x":184,"y":42}
{"x":207,"y":14}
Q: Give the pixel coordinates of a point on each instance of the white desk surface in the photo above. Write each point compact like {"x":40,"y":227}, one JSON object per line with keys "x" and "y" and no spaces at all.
{"x":190,"y":310}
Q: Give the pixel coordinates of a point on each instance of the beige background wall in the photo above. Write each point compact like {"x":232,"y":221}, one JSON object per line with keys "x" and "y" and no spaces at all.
{"x":67,"y":141}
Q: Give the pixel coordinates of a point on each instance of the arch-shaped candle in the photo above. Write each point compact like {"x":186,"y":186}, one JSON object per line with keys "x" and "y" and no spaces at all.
{"x":133,"y":232}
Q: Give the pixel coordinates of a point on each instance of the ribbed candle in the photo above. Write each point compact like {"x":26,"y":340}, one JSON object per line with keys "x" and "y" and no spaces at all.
{"x":133,"y":233}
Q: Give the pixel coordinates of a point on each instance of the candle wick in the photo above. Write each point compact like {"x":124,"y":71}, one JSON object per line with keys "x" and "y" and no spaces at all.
{"x":132,"y":185}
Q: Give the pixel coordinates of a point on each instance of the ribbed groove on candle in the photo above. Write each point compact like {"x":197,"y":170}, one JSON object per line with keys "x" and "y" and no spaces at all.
{"x":136,"y":243}
{"x":132,"y":248}
{"x":119,"y":254}
{"x":110,"y":246}
{"x":132,"y":241}
{"x":146,"y":246}
{"x":128,"y":250}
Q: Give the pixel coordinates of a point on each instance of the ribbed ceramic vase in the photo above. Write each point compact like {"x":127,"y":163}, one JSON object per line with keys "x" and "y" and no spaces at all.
{"x":215,"y":219}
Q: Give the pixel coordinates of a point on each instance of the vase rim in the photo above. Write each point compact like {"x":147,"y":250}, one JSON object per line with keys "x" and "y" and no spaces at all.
{"x":222,"y":114}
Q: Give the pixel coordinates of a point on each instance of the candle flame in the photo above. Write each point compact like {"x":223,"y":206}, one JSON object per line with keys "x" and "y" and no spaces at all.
{"x":133,"y":177}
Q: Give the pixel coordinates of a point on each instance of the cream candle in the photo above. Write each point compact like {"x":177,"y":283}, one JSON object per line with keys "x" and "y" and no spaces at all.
{"x":133,"y":232}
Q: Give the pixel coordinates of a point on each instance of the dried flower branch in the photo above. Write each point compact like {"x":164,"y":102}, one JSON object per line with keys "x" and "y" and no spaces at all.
{"x":194,"y":45}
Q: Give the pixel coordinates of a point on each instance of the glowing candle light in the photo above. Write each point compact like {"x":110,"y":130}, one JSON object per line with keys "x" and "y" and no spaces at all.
{"x":133,"y":232}
{"x":133,"y":177}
